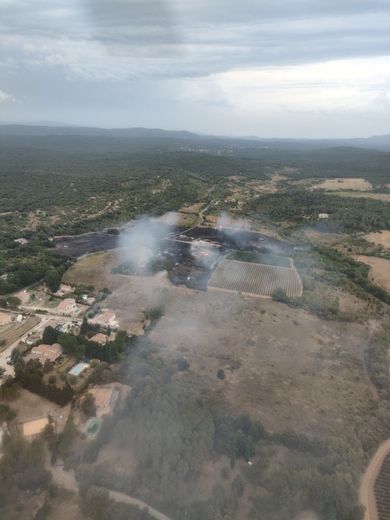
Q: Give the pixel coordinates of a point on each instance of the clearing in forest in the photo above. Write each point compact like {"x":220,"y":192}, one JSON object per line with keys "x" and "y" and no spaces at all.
{"x":379,"y":272}
{"x":344,"y":183}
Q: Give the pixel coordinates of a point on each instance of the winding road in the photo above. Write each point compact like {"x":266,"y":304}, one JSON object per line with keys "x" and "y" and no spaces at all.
{"x":66,"y":480}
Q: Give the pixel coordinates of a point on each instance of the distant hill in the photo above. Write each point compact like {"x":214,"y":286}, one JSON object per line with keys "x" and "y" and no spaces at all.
{"x":154,"y":138}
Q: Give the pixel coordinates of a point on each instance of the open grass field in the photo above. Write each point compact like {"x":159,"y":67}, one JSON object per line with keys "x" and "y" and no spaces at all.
{"x":295,"y":372}
{"x":380,"y":270}
{"x":255,"y":279}
{"x":356,"y":184}
{"x":380,"y":238}
{"x":363,"y":195}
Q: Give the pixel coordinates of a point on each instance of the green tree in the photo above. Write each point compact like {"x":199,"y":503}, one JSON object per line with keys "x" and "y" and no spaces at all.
{"x":53,"y":280}
{"x":50,"y":335}
{"x":88,"y":405}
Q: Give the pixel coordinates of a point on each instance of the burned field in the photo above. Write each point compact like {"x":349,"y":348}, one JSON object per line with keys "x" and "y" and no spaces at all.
{"x":256,"y":279}
{"x":192,"y":257}
{"x":79,"y":245}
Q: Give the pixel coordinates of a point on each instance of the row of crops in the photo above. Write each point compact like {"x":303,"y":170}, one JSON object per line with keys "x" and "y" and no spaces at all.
{"x":382,"y":491}
{"x":256,"y":279}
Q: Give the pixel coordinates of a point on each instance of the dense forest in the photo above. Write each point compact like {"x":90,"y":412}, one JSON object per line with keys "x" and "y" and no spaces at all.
{"x":299,"y":208}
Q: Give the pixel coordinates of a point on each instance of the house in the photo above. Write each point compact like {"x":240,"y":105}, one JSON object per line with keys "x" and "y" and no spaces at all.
{"x":21,"y":241}
{"x":33,"y":337}
{"x":100,"y":338}
{"x":105,"y":398}
{"x":68,"y":307}
{"x":88,"y":300}
{"x":33,"y":428}
{"x":106,"y":318}
{"x":323,"y":216}
{"x":46,"y":352}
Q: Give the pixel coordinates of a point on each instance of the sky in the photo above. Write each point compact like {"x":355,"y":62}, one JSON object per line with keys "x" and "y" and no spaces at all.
{"x":271,"y":68}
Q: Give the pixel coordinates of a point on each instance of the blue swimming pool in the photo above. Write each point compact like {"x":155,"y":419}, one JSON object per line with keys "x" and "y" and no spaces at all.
{"x":77,"y":369}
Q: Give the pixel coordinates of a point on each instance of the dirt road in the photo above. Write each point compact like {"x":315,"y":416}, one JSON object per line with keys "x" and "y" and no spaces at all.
{"x":66,"y":480}
{"x":366,"y":491}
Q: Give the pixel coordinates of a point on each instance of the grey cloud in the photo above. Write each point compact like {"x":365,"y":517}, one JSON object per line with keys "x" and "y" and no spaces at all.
{"x":201,"y":37}
{"x":125,"y":26}
{"x":122,"y":60}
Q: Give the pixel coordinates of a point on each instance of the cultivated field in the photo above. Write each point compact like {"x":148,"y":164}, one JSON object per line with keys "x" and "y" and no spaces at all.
{"x":382,"y":487}
{"x":255,"y":279}
{"x":342,"y":183}
{"x":10,"y":334}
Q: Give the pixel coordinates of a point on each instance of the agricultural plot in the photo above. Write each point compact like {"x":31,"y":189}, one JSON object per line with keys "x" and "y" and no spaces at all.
{"x":255,"y":279}
{"x":382,"y":491}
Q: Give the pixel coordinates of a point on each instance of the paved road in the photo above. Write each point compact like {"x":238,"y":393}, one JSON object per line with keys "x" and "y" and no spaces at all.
{"x":366,"y":491}
{"x":9,"y":369}
{"x":66,"y":480}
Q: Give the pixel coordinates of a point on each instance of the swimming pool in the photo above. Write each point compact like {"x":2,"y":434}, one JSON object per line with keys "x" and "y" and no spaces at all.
{"x":77,"y":369}
{"x":93,"y":426}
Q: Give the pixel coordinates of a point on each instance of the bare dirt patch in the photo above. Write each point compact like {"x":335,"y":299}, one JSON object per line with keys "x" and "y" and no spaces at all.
{"x":380,"y":238}
{"x":193,"y":209}
{"x":30,"y":406}
{"x":344,"y":183}
{"x":380,"y":270}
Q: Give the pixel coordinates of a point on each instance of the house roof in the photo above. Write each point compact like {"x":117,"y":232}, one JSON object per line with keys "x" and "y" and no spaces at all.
{"x":34,"y":427}
{"x":50,"y":352}
{"x":105,"y":317}
{"x":65,"y":304}
{"x":100,"y":338}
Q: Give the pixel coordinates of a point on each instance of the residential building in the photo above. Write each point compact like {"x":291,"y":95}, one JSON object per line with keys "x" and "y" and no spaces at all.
{"x":33,"y":428}
{"x":21,"y":241}
{"x":68,"y":307}
{"x":100,"y":338}
{"x":46,"y":352}
{"x":106,"y":318}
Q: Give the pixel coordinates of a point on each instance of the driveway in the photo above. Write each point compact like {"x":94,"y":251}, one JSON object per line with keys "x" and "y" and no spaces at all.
{"x":66,"y":480}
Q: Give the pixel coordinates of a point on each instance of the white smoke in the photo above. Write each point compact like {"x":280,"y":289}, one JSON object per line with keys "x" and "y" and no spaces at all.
{"x":228,"y":225}
{"x":141,"y":242}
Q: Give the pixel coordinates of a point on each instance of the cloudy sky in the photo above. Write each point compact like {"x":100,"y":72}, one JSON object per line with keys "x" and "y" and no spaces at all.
{"x":272,"y":68}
